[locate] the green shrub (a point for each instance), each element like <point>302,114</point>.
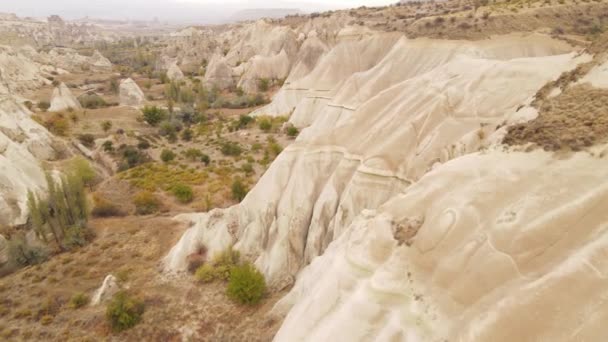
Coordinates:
<point>88,140</point>
<point>22,254</point>
<point>78,300</point>
<point>154,115</point>
<point>265,124</point>
<point>239,190</point>
<point>206,274</point>
<point>106,125</point>
<point>146,203</point>
<point>263,84</point>
<point>124,311</point>
<point>193,154</point>
<point>92,101</point>
<point>183,193</point>
<point>205,159</point>
<point>247,168</point>
<point>82,169</point>
<point>246,284</point>
<point>44,106</point>
<point>230,148</point>
<point>167,156</point>
<point>108,146</point>
<point>292,131</point>
<point>187,135</point>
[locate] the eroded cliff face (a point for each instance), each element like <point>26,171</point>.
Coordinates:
<point>399,201</point>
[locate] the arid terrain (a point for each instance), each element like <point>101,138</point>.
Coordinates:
<point>426,171</point>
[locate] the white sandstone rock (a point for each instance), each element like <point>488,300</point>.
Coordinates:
<point>130,93</point>
<point>108,289</point>
<point>174,73</point>
<point>63,99</point>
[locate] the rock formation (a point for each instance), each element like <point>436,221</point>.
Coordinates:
<point>174,73</point>
<point>130,93</point>
<point>108,288</point>
<point>63,99</point>
<point>384,206</point>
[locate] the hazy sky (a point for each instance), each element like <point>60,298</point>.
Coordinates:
<point>204,11</point>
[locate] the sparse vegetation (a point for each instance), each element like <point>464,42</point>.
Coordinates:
<point>124,311</point>
<point>167,156</point>
<point>154,115</point>
<point>146,203</point>
<point>79,300</point>
<point>183,193</point>
<point>246,284</point>
<point>239,190</point>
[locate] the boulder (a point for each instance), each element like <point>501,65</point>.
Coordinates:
<point>99,61</point>
<point>63,99</point>
<point>175,73</point>
<point>130,93</point>
<point>108,289</point>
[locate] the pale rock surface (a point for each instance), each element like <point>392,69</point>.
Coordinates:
<point>108,288</point>
<point>174,73</point>
<point>273,67</point>
<point>3,250</point>
<point>130,93</point>
<point>63,99</point>
<point>597,76</point>
<point>23,144</point>
<point>99,61</point>
<point>356,158</point>
<point>498,258</point>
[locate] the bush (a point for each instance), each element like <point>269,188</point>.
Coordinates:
<point>167,156</point>
<point>239,191</point>
<point>265,125</point>
<point>153,115</point>
<point>230,148</point>
<point>205,159</point>
<point>187,135</point>
<point>143,144</point>
<point>44,106</point>
<point>104,208</point>
<point>91,101</point>
<point>58,124</point>
<point>263,84</point>
<point>124,311</point>
<point>193,154</point>
<point>78,300</point>
<point>146,203</point>
<point>246,284</point>
<point>108,146</point>
<point>292,131</point>
<point>244,121</point>
<point>106,125</point>
<point>183,193</point>
<point>133,156</point>
<point>206,274</point>
<point>81,168</point>
<point>22,254</point>
<point>87,140</point>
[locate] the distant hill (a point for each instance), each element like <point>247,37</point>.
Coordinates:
<point>258,13</point>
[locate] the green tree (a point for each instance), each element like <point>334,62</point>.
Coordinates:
<point>239,190</point>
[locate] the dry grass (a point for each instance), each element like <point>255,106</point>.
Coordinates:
<point>575,119</point>
<point>35,302</point>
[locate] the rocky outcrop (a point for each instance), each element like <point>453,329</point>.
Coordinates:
<point>23,144</point>
<point>130,93</point>
<point>100,62</point>
<point>174,73</point>
<point>63,99</point>
<point>104,293</point>
<point>358,209</point>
